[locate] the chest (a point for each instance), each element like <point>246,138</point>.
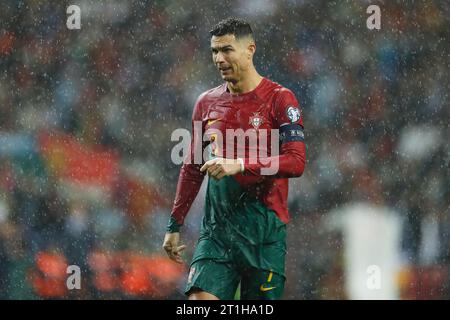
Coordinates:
<point>238,114</point>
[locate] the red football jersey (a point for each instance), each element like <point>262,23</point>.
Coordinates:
<point>269,106</point>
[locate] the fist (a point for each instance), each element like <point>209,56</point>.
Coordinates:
<point>221,167</point>
<point>172,248</point>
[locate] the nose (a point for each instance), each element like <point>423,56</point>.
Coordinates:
<point>219,58</point>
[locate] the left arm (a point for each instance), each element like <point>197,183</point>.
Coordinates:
<point>292,157</point>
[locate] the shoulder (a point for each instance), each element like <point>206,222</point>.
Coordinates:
<point>205,98</point>
<point>211,94</point>
<point>280,96</point>
<point>283,93</point>
<point>276,92</point>
<point>285,107</point>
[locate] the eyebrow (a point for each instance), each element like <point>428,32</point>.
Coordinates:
<point>222,48</point>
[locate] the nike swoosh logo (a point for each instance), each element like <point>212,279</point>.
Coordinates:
<point>211,122</point>
<point>262,288</point>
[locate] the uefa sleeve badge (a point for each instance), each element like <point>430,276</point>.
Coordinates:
<point>293,113</point>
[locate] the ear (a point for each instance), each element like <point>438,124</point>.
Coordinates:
<point>251,49</point>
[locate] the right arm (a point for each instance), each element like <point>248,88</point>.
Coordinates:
<point>189,183</point>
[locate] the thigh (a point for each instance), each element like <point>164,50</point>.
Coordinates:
<point>263,275</point>
<point>267,256</point>
<point>258,284</point>
<point>217,278</point>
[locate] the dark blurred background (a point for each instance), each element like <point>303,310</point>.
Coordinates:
<point>86,116</point>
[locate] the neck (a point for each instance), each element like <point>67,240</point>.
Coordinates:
<point>247,83</point>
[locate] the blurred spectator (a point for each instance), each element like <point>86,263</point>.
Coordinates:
<point>86,116</point>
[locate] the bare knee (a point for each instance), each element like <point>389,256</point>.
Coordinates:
<point>202,295</point>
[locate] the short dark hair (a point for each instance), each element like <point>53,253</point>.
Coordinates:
<point>238,27</point>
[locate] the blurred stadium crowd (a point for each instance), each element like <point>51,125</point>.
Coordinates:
<point>86,118</point>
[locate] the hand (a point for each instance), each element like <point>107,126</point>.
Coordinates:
<point>171,246</point>
<point>221,167</point>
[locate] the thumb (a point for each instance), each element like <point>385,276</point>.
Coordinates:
<point>208,164</point>
<point>180,248</point>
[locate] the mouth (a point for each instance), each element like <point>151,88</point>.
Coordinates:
<point>224,69</point>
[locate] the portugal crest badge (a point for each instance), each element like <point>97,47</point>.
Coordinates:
<point>256,120</point>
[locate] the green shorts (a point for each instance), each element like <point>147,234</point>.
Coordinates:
<point>244,244</point>
<point>222,280</point>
